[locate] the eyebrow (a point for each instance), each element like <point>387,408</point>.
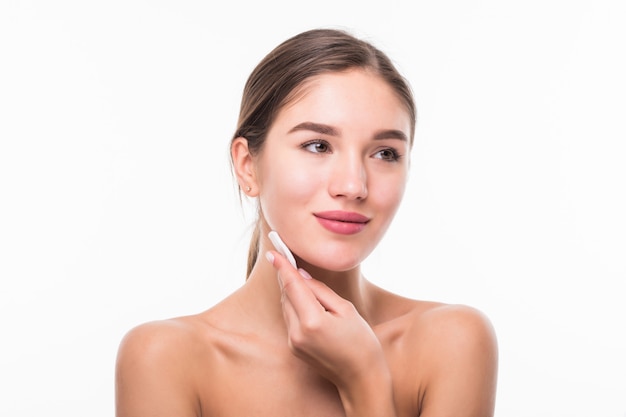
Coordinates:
<point>317,128</point>
<point>323,129</point>
<point>391,134</point>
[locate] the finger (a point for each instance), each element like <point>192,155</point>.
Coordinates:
<point>289,314</point>
<point>328,298</point>
<point>293,287</point>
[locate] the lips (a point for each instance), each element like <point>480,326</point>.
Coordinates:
<point>342,222</point>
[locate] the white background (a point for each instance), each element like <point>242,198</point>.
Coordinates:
<point>117,204</point>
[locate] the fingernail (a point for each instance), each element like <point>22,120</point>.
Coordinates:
<point>304,274</point>
<point>270,257</point>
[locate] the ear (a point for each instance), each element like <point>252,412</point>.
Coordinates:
<point>244,166</point>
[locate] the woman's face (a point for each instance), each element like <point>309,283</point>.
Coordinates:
<point>334,166</point>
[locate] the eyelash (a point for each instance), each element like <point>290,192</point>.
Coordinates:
<point>394,157</point>
<point>316,142</point>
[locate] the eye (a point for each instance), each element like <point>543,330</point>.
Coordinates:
<point>317,146</point>
<point>387,154</point>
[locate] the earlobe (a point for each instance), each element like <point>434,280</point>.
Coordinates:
<point>244,166</point>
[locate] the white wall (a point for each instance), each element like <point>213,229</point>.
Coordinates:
<point>115,188</point>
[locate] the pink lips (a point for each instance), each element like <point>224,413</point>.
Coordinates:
<point>342,222</point>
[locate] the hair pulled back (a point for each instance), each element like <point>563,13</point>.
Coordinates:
<point>274,80</point>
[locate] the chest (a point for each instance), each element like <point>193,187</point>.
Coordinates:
<point>269,388</point>
<point>253,377</point>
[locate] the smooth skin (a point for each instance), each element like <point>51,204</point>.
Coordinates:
<point>286,344</point>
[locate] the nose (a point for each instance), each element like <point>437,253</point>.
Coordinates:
<point>349,178</point>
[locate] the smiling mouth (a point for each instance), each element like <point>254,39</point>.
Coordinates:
<point>342,222</point>
<point>342,216</point>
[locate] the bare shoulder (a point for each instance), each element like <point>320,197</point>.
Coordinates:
<point>436,319</point>
<point>444,356</point>
<point>441,333</point>
<point>155,368</point>
<point>436,330</point>
<point>159,340</point>
<point>456,322</point>
<point>460,347</point>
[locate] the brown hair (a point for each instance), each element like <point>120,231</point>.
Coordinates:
<point>273,81</point>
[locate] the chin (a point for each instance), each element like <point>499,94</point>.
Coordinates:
<point>332,263</point>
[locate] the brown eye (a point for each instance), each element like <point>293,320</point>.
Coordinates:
<point>387,154</point>
<point>318,146</point>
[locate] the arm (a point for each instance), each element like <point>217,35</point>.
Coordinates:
<point>461,377</point>
<point>327,332</point>
<point>370,395</point>
<point>152,373</point>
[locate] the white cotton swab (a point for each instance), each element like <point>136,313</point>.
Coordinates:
<point>282,248</point>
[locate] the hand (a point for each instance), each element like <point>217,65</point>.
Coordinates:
<point>326,331</point>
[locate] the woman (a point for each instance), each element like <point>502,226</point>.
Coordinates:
<point>323,143</point>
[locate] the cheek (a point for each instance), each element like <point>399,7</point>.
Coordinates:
<point>302,180</point>
<point>285,187</point>
<point>390,194</point>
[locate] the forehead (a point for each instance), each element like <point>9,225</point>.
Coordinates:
<point>353,98</point>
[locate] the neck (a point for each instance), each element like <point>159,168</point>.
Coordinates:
<point>262,290</point>
<point>349,284</point>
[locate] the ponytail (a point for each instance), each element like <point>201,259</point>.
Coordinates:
<point>253,249</point>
